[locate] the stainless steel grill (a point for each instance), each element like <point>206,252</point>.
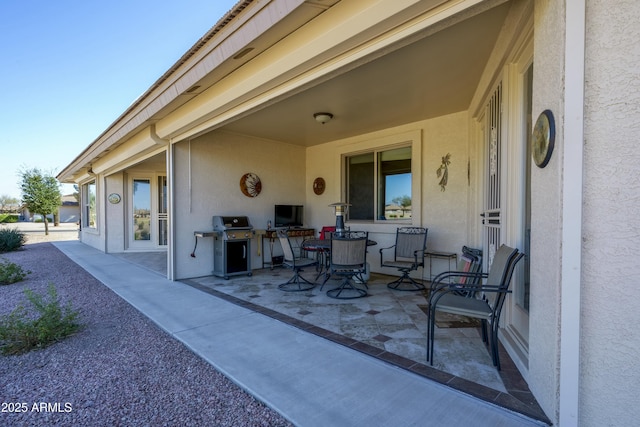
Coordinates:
<point>233,227</point>
<point>232,245</point>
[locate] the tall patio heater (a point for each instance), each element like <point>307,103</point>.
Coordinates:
<point>341,210</point>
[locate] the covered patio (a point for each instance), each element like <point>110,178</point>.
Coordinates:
<point>387,325</point>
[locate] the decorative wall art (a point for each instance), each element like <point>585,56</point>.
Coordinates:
<point>443,172</point>
<point>114,198</point>
<point>319,186</point>
<point>250,185</point>
<point>543,138</point>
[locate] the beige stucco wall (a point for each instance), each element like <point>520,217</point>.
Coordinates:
<point>610,340</point>
<point>115,214</point>
<point>208,170</point>
<point>207,183</point>
<point>546,211</point>
<point>444,213</point>
<point>69,213</point>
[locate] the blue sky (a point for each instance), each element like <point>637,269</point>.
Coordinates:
<point>398,186</point>
<point>71,67</point>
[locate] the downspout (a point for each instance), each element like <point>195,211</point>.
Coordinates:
<point>572,166</point>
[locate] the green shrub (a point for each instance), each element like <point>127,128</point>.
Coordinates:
<point>23,330</point>
<point>8,218</point>
<point>11,239</point>
<point>11,272</point>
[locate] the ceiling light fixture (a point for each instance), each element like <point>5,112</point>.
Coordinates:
<point>323,117</point>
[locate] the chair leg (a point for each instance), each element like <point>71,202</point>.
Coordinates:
<point>405,280</point>
<point>431,334</point>
<point>428,332</point>
<point>327,276</point>
<point>296,284</point>
<point>495,347</point>
<point>348,288</point>
<point>483,327</point>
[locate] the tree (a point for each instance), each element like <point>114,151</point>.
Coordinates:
<point>403,201</point>
<point>40,194</point>
<point>8,203</point>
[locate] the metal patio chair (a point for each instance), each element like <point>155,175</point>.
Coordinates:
<point>485,304</point>
<point>408,255</point>
<point>469,265</point>
<point>297,283</point>
<point>348,258</point>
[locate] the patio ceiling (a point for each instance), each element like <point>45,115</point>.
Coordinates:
<point>434,76</point>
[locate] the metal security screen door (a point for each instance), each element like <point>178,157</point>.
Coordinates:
<point>492,214</point>
<point>163,223</point>
<point>504,216</point>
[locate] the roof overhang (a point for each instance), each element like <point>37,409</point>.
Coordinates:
<point>248,29</point>
<point>266,67</point>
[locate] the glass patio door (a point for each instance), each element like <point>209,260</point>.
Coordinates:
<point>517,310</point>
<point>148,212</point>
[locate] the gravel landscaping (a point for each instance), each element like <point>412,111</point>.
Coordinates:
<point>119,370</point>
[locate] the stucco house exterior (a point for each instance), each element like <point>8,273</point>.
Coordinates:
<point>407,82</point>
<point>70,209</point>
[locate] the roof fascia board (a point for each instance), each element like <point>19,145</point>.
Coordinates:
<point>135,148</point>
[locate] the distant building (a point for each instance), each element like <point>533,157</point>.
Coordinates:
<point>394,211</point>
<point>70,209</point>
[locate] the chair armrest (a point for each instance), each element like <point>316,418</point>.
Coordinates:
<point>384,249</point>
<point>437,284</point>
<point>449,288</point>
<point>446,274</point>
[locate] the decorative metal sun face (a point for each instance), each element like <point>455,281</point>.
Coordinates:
<point>250,185</point>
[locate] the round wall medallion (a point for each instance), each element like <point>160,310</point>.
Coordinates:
<point>250,185</point>
<point>543,138</point>
<point>318,186</point>
<point>114,198</point>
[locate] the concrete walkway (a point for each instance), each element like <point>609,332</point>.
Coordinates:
<point>309,380</point>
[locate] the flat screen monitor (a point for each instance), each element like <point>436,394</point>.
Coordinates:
<point>289,215</point>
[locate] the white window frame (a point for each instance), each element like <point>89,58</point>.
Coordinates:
<point>411,138</point>
<point>86,203</point>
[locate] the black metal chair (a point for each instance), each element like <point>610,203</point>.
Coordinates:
<point>486,301</point>
<point>297,283</point>
<point>323,255</point>
<point>469,265</point>
<point>408,255</point>
<point>348,258</point>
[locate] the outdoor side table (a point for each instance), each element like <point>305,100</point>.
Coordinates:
<point>450,256</point>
